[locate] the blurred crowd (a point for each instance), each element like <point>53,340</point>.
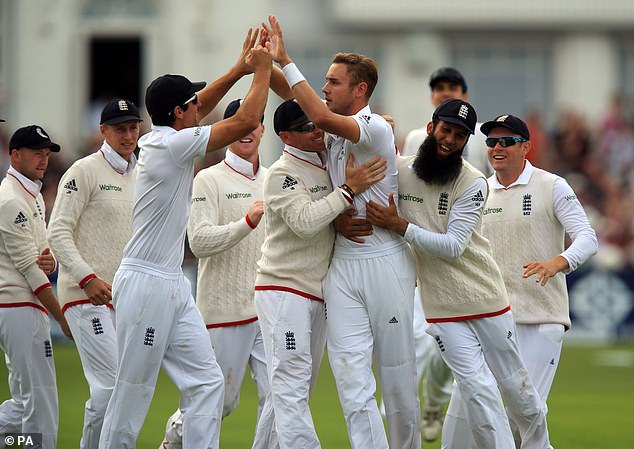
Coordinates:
<point>596,159</point>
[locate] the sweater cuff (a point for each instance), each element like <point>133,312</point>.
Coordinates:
<point>35,277</point>
<point>86,280</point>
<point>249,222</point>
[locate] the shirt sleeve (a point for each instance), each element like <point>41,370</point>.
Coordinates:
<point>188,143</point>
<point>572,216</point>
<point>70,203</point>
<point>463,219</point>
<point>302,215</point>
<point>18,230</point>
<point>375,135</point>
<point>206,236</point>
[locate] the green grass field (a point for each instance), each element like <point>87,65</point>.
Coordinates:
<point>591,403</point>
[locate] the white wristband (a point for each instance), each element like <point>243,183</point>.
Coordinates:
<point>292,74</point>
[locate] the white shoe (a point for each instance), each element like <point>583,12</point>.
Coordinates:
<point>173,432</point>
<point>431,424</point>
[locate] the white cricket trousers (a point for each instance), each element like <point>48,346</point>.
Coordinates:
<point>25,338</point>
<point>369,317</point>
<point>471,348</point>
<point>158,324</point>
<point>438,382</point>
<point>93,329</point>
<point>235,348</point>
<point>294,335</point>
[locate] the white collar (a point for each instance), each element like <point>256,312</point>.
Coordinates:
<point>119,164</point>
<point>522,179</point>
<point>307,156</point>
<point>33,187</point>
<point>365,110</point>
<point>242,166</point>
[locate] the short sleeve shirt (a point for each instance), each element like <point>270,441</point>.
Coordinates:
<point>163,191</point>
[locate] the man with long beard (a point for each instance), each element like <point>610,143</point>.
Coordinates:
<point>441,198</point>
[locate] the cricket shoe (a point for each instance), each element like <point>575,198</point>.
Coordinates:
<point>431,424</point>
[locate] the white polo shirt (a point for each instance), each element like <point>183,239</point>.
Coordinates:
<point>163,192</point>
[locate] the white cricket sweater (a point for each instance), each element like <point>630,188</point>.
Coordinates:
<point>90,224</point>
<point>299,206</point>
<point>22,239</point>
<point>226,244</point>
<point>522,227</point>
<point>452,289</point>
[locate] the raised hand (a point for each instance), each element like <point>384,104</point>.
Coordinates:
<point>275,44</point>
<point>249,43</point>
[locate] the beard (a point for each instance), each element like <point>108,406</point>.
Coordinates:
<point>432,169</point>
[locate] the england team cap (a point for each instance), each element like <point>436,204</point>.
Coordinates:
<point>457,112</point>
<point>508,121</point>
<point>32,137</point>
<point>233,107</point>
<point>118,111</point>
<point>288,115</point>
<point>447,74</point>
<point>168,91</point>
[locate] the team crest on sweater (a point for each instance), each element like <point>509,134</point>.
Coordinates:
<point>289,183</point>
<point>527,204</point>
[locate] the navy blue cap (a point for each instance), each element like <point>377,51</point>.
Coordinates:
<point>287,116</point>
<point>168,91</point>
<point>233,107</point>
<point>458,112</point>
<point>509,122</point>
<point>447,74</point>
<point>33,137</point>
<point>118,111</point>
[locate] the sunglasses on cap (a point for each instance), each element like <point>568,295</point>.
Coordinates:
<point>193,99</point>
<point>305,128</point>
<point>504,141</point>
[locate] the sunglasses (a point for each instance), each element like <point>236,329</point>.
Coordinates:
<point>305,128</point>
<point>193,99</point>
<point>504,141</point>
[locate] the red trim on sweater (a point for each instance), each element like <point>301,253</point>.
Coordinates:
<point>290,290</point>
<point>468,317</point>
<point>304,160</point>
<point>241,174</point>
<point>79,302</point>
<point>232,323</point>
<point>249,222</point>
<point>41,287</point>
<point>22,304</point>
<point>20,182</point>
<point>85,280</point>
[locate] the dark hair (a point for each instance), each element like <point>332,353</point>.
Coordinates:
<point>169,119</point>
<point>360,68</point>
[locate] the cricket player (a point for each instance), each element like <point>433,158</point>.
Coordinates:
<point>90,224</point>
<point>444,83</point>
<point>300,204</point>
<point>369,307</point>
<point>157,322</point>
<point>441,198</point>
<point>541,208</point>
<point>225,234</point>
<point>26,295</point>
